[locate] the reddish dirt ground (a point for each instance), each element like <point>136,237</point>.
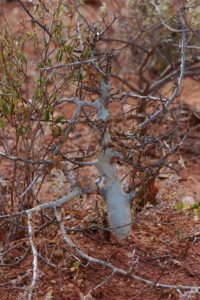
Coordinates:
<point>164,245</point>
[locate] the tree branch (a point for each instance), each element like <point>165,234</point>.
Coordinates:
<point>178,85</point>
<point>34,19</point>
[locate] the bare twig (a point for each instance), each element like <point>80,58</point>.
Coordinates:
<point>57,203</point>
<point>76,63</point>
<point>35,255</point>
<point>29,161</point>
<point>34,19</point>
<point>179,81</point>
<point>157,9</point>
<point>18,262</point>
<point>34,181</point>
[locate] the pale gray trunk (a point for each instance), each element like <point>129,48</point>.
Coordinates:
<point>118,202</point>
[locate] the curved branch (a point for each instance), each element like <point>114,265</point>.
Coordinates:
<point>178,85</point>
<point>34,19</point>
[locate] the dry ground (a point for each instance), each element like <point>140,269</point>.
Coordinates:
<point>164,246</point>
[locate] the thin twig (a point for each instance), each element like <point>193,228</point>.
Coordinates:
<point>29,161</point>
<point>16,263</point>
<point>31,185</point>
<point>34,19</point>
<point>178,85</point>
<point>157,9</point>
<point>35,255</point>
<point>76,63</point>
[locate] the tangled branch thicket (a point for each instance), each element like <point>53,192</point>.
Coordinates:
<point>110,78</point>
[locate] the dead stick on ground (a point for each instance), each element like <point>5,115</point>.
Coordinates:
<point>114,269</point>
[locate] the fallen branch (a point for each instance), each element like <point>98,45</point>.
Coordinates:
<point>115,270</point>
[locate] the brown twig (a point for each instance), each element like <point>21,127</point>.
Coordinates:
<point>44,27</point>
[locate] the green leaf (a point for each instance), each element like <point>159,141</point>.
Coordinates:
<point>49,62</point>
<point>47,115</point>
<point>179,206</point>
<point>21,130</point>
<point>2,124</point>
<point>5,109</point>
<point>59,119</point>
<point>45,43</point>
<point>59,55</point>
<point>75,266</point>
<point>197,214</point>
<point>69,49</point>
<point>57,131</point>
<point>195,206</point>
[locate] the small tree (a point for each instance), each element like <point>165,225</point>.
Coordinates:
<point>108,76</point>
